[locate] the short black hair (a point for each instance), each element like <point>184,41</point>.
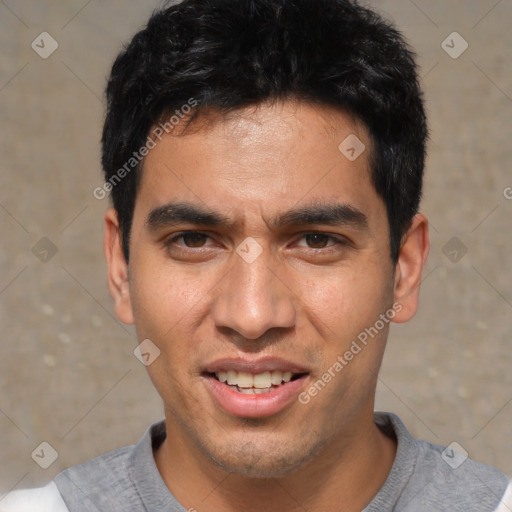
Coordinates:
<point>231,54</point>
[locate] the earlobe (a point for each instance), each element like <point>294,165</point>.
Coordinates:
<point>409,268</point>
<point>118,283</point>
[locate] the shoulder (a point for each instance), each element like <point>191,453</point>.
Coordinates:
<point>93,469</point>
<point>42,499</point>
<point>426,476</point>
<point>96,484</point>
<point>445,478</point>
<point>112,481</point>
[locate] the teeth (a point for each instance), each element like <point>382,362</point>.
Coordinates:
<point>260,391</point>
<point>252,391</point>
<point>248,382</point>
<point>245,380</point>
<point>262,380</point>
<point>232,378</point>
<point>277,378</point>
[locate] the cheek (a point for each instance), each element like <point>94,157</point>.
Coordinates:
<point>347,304</point>
<point>167,312</point>
<point>165,302</point>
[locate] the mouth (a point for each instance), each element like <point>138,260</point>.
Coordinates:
<point>259,384</point>
<point>254,390</point>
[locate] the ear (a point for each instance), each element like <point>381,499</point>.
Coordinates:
<point>408,270</point>
<point>118,283</point>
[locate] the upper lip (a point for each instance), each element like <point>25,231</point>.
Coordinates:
<point>265,364</point>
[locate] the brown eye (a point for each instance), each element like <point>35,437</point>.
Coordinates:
<point>194,240</point>
<point>317,240</point>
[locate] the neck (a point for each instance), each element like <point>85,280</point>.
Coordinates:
<point>348,471</point>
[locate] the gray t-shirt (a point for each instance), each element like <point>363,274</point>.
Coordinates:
<point>424,478</point>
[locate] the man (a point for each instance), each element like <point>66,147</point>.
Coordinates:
<point>265,162</point>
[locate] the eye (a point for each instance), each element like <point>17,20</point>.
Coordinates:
<point>191,239</point>
<point>318,241</point>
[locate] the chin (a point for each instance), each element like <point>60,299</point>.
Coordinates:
<point>261,460</point>
<point>256,466</point>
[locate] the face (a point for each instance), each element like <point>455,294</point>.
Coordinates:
<point>259,254</point>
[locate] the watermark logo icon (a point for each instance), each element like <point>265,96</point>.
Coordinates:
<point>146,352</point>
<point>352,147</point>
<point>45,455</point>
<point>454,455</point>
<point>44,45</point>
<point>455,249</point>
<point>249,250</point>
<point>454,45</point>
<point>44,250</point>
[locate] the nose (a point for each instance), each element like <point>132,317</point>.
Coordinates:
<point>252,299</point>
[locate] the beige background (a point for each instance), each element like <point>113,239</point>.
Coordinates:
<point>67,372</point>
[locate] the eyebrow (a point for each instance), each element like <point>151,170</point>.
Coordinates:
<point>319,213</point>
<point>331,214</point>
<point>172,214</point>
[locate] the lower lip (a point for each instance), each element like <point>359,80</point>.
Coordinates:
<point>254,406</point>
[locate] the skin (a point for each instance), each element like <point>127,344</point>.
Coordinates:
<point>303,299</point>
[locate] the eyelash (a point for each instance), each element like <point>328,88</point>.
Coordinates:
<point>331,238</point>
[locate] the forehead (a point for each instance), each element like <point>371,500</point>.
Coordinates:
<point>262,159</point>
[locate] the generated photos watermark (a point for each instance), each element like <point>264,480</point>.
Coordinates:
<point>355,348</point>
<point>137,156</point>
